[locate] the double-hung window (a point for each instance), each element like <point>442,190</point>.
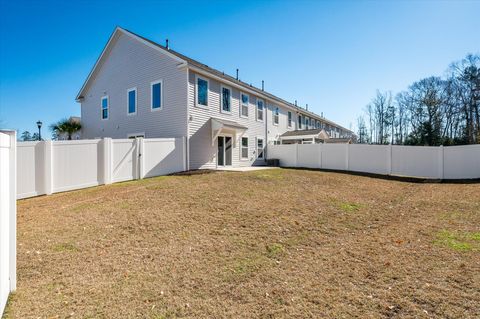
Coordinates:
<point>132,101</point>
<point>299,122</point>
<point>156,95</point>
<point>244,104</point>
<point>244,148</point>
<point>226,99</point>
<point>289,119</point>
<point>202,92</point>
<point>259,147</point>
<point>276,116</point>
<point>105,107</point>
<point>260,105</point>
<point>307,123</point>
<point>318,124</point>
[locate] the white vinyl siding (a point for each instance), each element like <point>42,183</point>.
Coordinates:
<point>114,76</point>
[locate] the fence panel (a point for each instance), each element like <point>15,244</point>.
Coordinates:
<point>163,156</point>
<point>124,160</point>
<point>8,219</point>
<point>419,161</point>
<point>369,158</point>
<point>452,162</point>
<point>461,161</point>
<point>334,156</point>
<point>75,164</point>
<point>31,160</point>
<point>308,156</point>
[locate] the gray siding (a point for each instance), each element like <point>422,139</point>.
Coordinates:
<point>202,153</point>
<point>130,63</point>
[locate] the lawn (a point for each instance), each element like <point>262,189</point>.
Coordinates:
<point>271,244</point>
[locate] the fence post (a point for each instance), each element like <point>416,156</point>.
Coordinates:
<point>389,159</point>
<point>139,157</point>
<point>320,155</point>
<point>48,176</point>
<point>347,164</point>
<point>107,160</point>
<point>296,155</point>
<point>441,167</point>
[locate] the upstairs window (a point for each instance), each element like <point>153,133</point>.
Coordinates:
<point>105,107</point>
<point>299,122</point>
<point>276,115</point>
<point>259,110</point>
<point>226,99</point>
<point>156,95</point>
<point>244,148</point>
<point>318,124</point>
<point>244,104</point>
<point>307,123</point>
<point>202,92</point>
<point>289,119</point>
<point>132,101</point>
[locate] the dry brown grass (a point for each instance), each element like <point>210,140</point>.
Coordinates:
<point>268,244</point>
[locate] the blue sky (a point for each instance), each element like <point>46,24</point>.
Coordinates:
<point>331,55</point>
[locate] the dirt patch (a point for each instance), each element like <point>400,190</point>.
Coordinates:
<point>273,244</point>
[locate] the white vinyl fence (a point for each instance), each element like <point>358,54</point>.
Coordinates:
<point>8,217</point>
<point>54,166</point>
<point>450,162</point>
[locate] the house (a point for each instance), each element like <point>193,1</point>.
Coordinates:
<point>139,88</point>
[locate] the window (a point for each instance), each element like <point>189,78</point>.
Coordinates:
<point>307,123</point>
<point>318,124</point>
<point>259,147</point>
<point>275,116</point>
<point>132,101</point>
<point>226,99</point>
<point>299,122</point>
<point>244,148</point>
<point>244,104</point>
<point>105,107</point>
<point>156,96</point>
<point>259,110</point>
<point>289,119</point>
<point>202,92</point>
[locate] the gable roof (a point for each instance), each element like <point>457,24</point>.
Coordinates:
<point>189,62</point>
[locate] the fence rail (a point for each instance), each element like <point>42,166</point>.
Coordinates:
<point>450,162</point>
<point>54,166</point>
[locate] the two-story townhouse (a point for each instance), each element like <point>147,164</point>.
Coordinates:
<point>139,88</point>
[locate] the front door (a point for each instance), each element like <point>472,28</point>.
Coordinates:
<point>224,153</point>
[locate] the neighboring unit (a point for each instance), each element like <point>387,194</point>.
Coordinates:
<point>139,88</point>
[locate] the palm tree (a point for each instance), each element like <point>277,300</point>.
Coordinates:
<point>66,126</point>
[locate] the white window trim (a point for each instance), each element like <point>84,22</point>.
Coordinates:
<point>289,122</point>
<point>221,99</point>
<point>274,114</point>
<point>128,101</point>
<point>241,148</point>
<point>263,147</point>
<point>136,134</point>
<point>196,91</point>
<point>263,110</point>
<point>101,107</point>
<point>161,95</point>
<point>241,105</point>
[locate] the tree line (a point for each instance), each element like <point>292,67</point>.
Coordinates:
<point>432,111</point>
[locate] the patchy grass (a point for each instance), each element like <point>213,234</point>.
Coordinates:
<point>458,240</point>
<point>262,244</point>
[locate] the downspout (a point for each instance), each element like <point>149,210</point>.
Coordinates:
<point>266,134</point>
<point>187,157</point>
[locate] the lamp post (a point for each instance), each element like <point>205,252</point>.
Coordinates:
<point>39,125</point>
